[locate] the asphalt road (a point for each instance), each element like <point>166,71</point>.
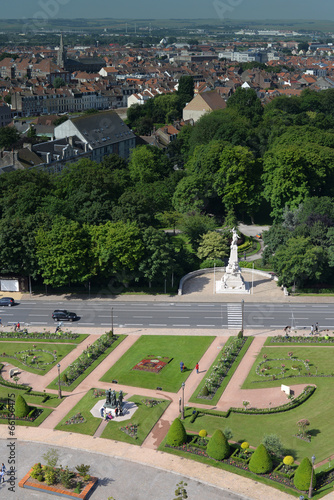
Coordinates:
<point>118,478</point>
<point>173,315</point>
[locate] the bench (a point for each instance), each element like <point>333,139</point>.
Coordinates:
<point>13,372</point>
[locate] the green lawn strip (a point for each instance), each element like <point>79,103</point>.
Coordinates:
<point>31,399</point>
<point>12,348</point>
<point>46,412</point>
<point>227,467</point>
<point>30,338</point>
<point>217,396</point>
<point>144,417</point>
<point>179,348</point>
<point>83,406</point>
<point>69,388</point>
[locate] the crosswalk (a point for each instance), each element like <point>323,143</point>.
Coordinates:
<point>234,316</point>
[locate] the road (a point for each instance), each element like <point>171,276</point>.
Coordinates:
<point>150,314</point>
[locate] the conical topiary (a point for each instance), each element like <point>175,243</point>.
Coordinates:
<point>218,447</point>
<point>302,477</point>
<point>177,434</point>
<point>260,461</point>
<point>21,407</point>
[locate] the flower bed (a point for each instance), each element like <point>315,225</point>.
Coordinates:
<point>151,402</point>
<point>312,339</point>
<point>221,369</point>
<point>153,364</point>
<point>283,470</point>
<point>60,489</point>
<point>39,335</point>
<point>130,430</point>
<point>241,456</point>
<point>76,419</point>
<point>26,353</point>
<point>31,417</point>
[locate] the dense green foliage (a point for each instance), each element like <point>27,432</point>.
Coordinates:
<point>218,447</point>
<point>272,163</point>
<point>177,434</point>
<point>21,407</point>
<point>260,461</point>
<point>302,477</point>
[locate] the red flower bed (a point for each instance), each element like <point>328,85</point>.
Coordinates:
<point>150,365</point>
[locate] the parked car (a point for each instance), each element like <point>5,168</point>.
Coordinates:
<point>63,315</point>
<point>7,301</point>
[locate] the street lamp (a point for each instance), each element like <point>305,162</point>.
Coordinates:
<point>59,388</point>
<point>310,491</point>
<point>182,414</point>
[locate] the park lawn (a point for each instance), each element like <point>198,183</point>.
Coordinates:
<point>217,396</point>
<point>11,349</point>
<point>144,417</point>
<point>318,409</point>
<point>83,406</point>
<point>46,412</point>
<point>179,348</point>
<point>31,399</point>
<point>76,382</point>
<point>30,338</point>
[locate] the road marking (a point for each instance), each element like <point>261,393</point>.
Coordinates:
<point>157,324</point>
<point>39,315</point>
<point>143,317</point>
<point>133,324</point>
<point>87,324</point>
<point>202,326</point>
<point>108,324</point>
<point>39,323</point>
<point>181,326</point>
<point>178,317</point>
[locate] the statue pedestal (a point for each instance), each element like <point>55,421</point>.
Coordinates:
<point>232,281</point>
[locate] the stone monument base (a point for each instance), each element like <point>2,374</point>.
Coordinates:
<point>232,283</point>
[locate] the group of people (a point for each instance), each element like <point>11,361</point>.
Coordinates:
<point>108,415</point>
<point>2,473</point>
<point>314,329</point>
<point>182,367</point>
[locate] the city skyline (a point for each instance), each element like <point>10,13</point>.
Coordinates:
<point>188,9</point>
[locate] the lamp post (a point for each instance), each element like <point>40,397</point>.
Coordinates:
<point>310,491</point>
<point>59,388</point>
<point>182,414</point>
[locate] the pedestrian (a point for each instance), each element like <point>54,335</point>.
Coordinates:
<point>181,366</point>
<point>0,321</point>
<point>102,412</point>
<point>316,327</point>
<point>116,412</point>
<point>15,327</point>
<point>2,473</point>
<point>197,367</point>
<point>18,326</point>
<point>312,330</point>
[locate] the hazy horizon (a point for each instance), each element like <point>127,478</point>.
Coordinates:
<point>245,10</point>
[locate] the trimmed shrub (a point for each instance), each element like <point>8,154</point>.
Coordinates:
<point>260,462</point>
<point>302,478</point>
<point>244,445</point>
<point>64,378</point>
<point>21,407</point>
<point>273,444</point>
<point>205,391</point>
<point>218,447</point>
<point>288,460</point>
<point>202,433</point>
<point>177,434</point>
<point>208,263</point>
<point>240,334</point>
<point>37,472</point>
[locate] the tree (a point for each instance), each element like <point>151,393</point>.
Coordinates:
<point>218,447</point>
<point>246,103</point>
<point>194,225</point>
<point>213,245</point>
<point>186,89</point>
<point>273,444</point>
<point>58,82</point>
<point>157,260</point>
<point>302,477</point>
<point>260,462</point>
<point>177,434</point>
<point>298,261</point>
<point>238,181</point>
<point>8,137</point>
<point>303,46</point>
<point>302,425</point>
<point>146,164</point>
<point>64,253</point>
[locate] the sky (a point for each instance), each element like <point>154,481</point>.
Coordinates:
<point>171,9</point>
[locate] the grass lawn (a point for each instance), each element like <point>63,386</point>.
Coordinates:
<point>69,388</point>
<point>46,412</point>
<point>318,409</point>
<point>83,406</point>
<point>217,396</point>
<point>144,417</point>
<point>31,399</point>
<point>179,348</point>
<point>29,337</point>
<point>14,349</point>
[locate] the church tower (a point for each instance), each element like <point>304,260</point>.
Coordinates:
<point>61,56</point>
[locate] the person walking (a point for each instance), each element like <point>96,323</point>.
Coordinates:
<point>2,473</point>
<point>312,330</point>
<point>316,328</point>
<point>0,321</point>
<point>181,366</point>
<point>197,367</point>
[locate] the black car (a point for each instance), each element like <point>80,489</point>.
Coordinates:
<point>63,315</point>
<point>7,301</point>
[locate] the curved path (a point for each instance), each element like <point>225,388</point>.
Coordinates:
<point>147,453</point>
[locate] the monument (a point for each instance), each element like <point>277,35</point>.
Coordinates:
<point>232,281</point>
<point>111,403</point>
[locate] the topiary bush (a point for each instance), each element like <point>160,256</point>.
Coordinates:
<point>302,477</point>
<point>21,407</point>
<point>218,447</point>
<point>244,445</point>
<point>202,433</point>
<point>177,434</point>
<point>288,460</point>
<point>64,378</point>
<point>260,462</point>
<point>205,391</point>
